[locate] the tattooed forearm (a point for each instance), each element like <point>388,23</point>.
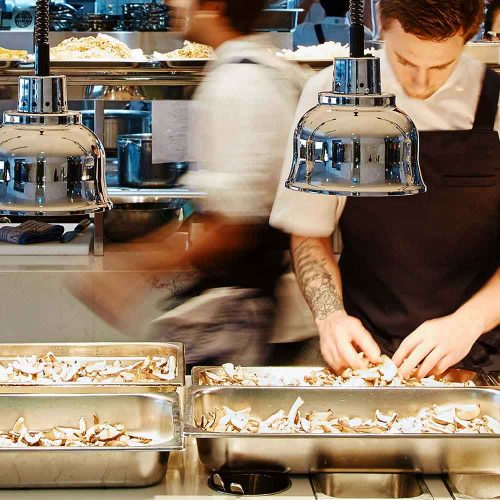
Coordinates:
<point>316,282</point>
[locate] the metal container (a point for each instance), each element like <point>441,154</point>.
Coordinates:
<point>152,415</point>
<point>118,122</point>
<point>136,167</point>
<point>303,453</point>
<point>92,351</point>
<point>474,486</point>
<point>299,372</point>
<point>353,486</point>
<point>129,221</point>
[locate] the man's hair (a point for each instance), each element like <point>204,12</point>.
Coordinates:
<point>435,20</point>
<point>335,8</point>
<point>243,15</point>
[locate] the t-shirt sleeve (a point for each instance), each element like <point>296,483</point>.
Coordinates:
<point>305,214</point>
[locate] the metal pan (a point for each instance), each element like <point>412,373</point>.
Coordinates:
<point>94,351</point>
<point>301,453</point>
<point>473,486</point>
<point>353,486</point>
<point>152,415</point>
<point>298,372</point>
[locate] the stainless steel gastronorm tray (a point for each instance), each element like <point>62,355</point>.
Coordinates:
<point>473,486</point>
<point>353,486</point>
<point>453,375</point>
<point>91,351</point>
<point>152,415</point>
<point>303,453</point>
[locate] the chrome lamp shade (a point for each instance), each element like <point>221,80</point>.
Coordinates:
<point>356,142</point>
<point>50,164</point>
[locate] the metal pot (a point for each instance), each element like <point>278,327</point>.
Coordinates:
<point>118,122</point>
<point>136,168</point>
<point>130,221</point>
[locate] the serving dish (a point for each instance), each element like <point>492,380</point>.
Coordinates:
<point>151,415</point>
<point>126,352</point>
<point>473,486</point>
<point>298,373</point>
<point>304,453</point>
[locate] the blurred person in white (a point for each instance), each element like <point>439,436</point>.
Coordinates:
<point>333,28</point>
<point>418,276</point>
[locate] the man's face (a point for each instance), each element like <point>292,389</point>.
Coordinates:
<point>421,66</point>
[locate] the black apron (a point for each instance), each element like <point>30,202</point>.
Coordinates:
<point>410,259</point>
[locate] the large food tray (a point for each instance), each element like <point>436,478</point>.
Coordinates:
<point>304,453</point>
<point>298,372</point>
<point>96,351</point>
<point>151,415</point>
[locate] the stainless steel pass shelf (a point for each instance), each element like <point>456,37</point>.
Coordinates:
<point>177,196</point>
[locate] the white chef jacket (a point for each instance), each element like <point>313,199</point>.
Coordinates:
<point>335,29</point>
<point>452,107</point>
<point>239,125</point>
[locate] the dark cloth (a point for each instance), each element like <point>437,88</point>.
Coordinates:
<point>410,259</point>
<point>320,34</point>
<point>30,232</point>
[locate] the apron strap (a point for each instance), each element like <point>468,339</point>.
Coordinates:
<point>320,34</point>
<point>486,111</point>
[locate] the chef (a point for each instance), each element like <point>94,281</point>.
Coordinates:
<point>418,276</point>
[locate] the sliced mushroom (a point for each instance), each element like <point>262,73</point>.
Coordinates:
<point>468,411</point>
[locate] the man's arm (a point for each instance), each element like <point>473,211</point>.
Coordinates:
<point>442,342</point>
<point>318,275</point>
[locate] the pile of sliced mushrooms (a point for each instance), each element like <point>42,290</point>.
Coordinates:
<point>382,374</point>
<point>85,435</point>
<point>48,369</point>
<point>452,419</point>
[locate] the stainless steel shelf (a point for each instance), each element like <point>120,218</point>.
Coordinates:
<point>122,195</point>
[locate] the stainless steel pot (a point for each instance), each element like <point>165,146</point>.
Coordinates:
<point>136,168</point>
<point>118,122</point>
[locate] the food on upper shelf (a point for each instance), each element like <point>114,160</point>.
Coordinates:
<point>100,47</point>
<point>382,374</point>
<point>449,419</point>
<point>324,52</point>
<point>190,50</point>
<point>48,369</point>
<point>94,434</point>
<point>13,55</point>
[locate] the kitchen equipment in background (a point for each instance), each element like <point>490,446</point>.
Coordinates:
<point>98,22</point>
<point>63,16</point>
<point>136,169</point>
<point>473,486</point>
<point>79,228</point>
<point>118,122</point>
<point>129,221</point>
<point>352,486</point>
<point>145,17</point>
<point>153,415</point>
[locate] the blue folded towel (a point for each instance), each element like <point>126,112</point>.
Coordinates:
<point>30,232</point>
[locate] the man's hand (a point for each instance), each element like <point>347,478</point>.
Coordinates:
<point>342,337</point>
<point>436,345</point>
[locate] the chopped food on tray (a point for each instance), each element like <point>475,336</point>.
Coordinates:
<point>100,47</point>
<point>94,434</point>
<point>449,419</point>
<point>190,50</point>
<point>382,374</point>
<point>13,55</point>
<point>48,369</point>
<point>323,52</point>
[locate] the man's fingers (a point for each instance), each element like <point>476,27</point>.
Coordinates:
<point>443,365</point>
<point>348,354</point>
<point>330,355</point>
<point>430,362</point>
<point>414,359</point>
<point>406,347</point>
<point>367,344</point>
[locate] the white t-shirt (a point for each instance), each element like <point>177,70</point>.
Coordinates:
<point>452,107</point>
<point>239,125</point>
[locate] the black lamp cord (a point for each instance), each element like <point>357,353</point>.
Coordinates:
<point>357,32</point>
<point>42,47</point>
